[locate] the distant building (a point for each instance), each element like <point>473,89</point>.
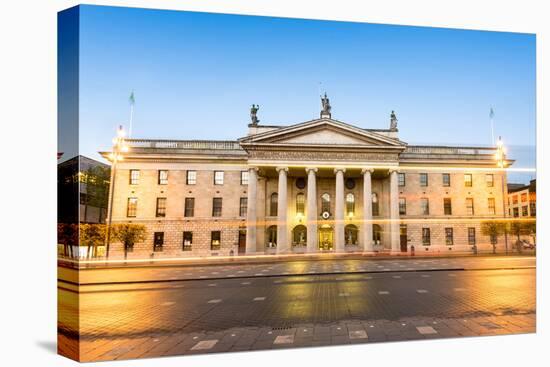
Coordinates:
<point>83,189</point>
<point>522,200</point>
<point>316,186</point>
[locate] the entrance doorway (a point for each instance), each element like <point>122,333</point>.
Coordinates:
<point>325,238</point>
<point>403,237</point>
<point>242,241</point>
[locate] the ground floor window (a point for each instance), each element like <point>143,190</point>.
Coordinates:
<point>350,232</point>
<point>493,238</point>
<point>376,234</point>
<point>471,236</point>
<point>426,238</point>
<point>187,240</point>
<point>158,241</point>
<point>449,236</point>
<point>272,236</point>
<point>215,241</point>
<point>299,235</point>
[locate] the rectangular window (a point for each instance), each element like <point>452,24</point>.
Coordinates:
<point>215,241</point>
<point>163,177</point>
<point>191,178</point>
<point>423,179</point>
<point>449,236</point>
<point>524,211</point>
<point>471,236</point>
<point>524,197</point>
<point>131,210</point>
<point>468,180</point>
<point>244,177</point>
<point>533,209</point>
<point>491,205</point>
<point>189,207</point>
<point>426,240</point>
<point>424,206</point>
<point>446,179</point>
<point>516,212</point>
<point>187,240</point>
<point>217,207</point>
<point>134,177</point>
<point>218,177</point>
<point>447,206</point>
<point>161,207</point>
<point>242,207</point>
<point>469,206</point>
<point>402,206</point>
<point>401,179</point>
<point>490,180</point>
<point>300,204</point>
<point>514,199</point>
<point>158,241</point>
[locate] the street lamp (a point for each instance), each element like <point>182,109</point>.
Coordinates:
<point>119,147</point>
<point>500,157</point>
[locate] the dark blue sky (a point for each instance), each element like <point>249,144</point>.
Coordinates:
<point>196,74</point>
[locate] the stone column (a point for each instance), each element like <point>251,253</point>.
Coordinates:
<point>368,245</point>
<point>394,212</point>
<point>311,210</point>
<point>251,212</point>
<point>339,239</point>
<point>282,232</point>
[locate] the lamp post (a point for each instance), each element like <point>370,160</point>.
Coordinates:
<point>119,147</point>
<point>500,157</point>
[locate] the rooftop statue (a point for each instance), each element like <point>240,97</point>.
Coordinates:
<point>393,121</point>
<point>253,114</point>
<point>325,102</point>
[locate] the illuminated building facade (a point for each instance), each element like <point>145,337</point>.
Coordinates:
<point>317,186</point>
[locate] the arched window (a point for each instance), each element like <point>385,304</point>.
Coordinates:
<point>272,236</point>
<point>350,232</point>
<point>300,203</point>
<point>375,204</point>
<point>350,205</point>
<point>325,203</point>
<point>273,204</point>
<point>376,233</point>
<point>299,235</point>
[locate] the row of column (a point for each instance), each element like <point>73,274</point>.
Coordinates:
<point>283,244</point>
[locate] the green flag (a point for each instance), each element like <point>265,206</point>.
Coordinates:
<point>132,99</point>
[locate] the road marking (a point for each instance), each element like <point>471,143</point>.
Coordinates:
<point>230,275</point>
<point>358,334</point>
<point>421,291</point>
<point>424,330</point>
<point>383,292</point>
<point>425,276</point>
<point>259,299</point>
<point>258,274</point>
<point>212,284</point>
<point>396,276</point>
<point>205,344</point>
<point>277,281</point>
<point>167,303</point>
<point>452,275</point>
<point>459,289</point>
<point>343,294</point>
<point>284,339</point>
<point>215,301</point>
<point>245,283</point>
<point>367,278</point>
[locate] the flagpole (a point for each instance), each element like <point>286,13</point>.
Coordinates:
<point>491,115</point>
<point>131,119</point>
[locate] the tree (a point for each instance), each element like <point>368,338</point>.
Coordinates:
<point>493,229</point>
<point>128,234</point>
<point>67,234</point>
<point>93,236</point>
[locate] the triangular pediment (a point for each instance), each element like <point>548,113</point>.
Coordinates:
<point>322,132</point>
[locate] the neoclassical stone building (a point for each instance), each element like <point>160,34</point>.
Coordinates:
<point>316,186</point>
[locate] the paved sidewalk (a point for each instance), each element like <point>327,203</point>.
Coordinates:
<point>74,277</point>
<point>301,335</point>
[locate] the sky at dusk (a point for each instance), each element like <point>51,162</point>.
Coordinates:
<point>195,76</point>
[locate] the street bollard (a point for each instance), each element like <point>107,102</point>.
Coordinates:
<point>412,250</point>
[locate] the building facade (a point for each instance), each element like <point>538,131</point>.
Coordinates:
<point>317,186</point>
<point>522,200</point>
